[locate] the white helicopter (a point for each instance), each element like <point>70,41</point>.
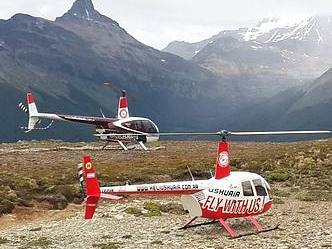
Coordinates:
<point>224,196</point>
<point>110,130</point>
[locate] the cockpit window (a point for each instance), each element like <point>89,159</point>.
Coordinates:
<point>148,127</point>
<point>141,125</point>
<point>247,189</point>
<point>260,189</point>
<point>130,125</point>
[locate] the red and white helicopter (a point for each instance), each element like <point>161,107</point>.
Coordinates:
<point>142,130</point>
<point>224,196</point>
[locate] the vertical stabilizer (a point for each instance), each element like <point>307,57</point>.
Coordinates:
<point>223,167</point>
<point>33,112</point>
<point>92,188</point>
<point>123,106</point>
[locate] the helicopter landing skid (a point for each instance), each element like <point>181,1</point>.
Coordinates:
<point>232,234</point>
<point>186,226</point>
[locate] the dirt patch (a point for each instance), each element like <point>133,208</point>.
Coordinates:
<point>39,213</point>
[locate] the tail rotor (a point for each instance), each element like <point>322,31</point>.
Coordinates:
<point>23,107</point>
<point>81,179</point>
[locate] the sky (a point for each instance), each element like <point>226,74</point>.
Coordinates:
<point>158,22</point>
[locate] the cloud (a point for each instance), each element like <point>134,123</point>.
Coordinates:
<point>158,22</point>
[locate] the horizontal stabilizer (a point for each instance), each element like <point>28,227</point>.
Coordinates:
<point>111,197</point>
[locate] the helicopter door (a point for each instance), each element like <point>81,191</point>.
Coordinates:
<point>247,188</point>
<point>260,188</point>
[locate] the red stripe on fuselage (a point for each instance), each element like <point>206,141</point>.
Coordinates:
<point>154,192</point>
<point>89,120</point>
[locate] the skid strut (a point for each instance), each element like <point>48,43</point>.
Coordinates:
<point>188,224</point>
<point>106,144</point>
<point>228,228</point>
<point>142,145</point>
<point>122,145</point>
<point>255,223</point>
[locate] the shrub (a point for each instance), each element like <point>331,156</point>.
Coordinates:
<point>41,243</point>
<point>156,242</point>
<point>134,211</point>
<point>278,201</point>
<point>279,192</point>
<point>3,240</point>
<point>26,183</point>
<point>173,208</point>
<point>58,202</point>
<point>153,208</point>
<point>309,162</point>
<point>24,203</point>
<point>110,245</point>
<point>70,192</point>
<point>6,206</point>
<point>279,176</point>
<point>314,196</point>
<point>7,193</point>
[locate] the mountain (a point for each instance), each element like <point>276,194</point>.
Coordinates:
<point>319,92</point>
<point>308,107</point>
<point>188,50</point>
<point>301,50</point>
<point>66,62</point>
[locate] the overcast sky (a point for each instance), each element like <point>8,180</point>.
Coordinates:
<point>158,22</point>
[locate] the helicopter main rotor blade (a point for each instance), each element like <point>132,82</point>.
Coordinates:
<point>245,133</point>
<point>161,134</point>
<point>219,133</point>
<point>186,133</point>
<point>254,133</point>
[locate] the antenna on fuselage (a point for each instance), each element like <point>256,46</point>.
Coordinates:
<point>192,177</point>
<point>101,111</point>
<point>211,172</point>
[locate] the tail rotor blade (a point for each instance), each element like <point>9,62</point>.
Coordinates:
<point>23,107</point>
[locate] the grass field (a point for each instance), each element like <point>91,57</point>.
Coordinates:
<point>46,171</point>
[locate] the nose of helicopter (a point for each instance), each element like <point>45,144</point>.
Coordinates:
<point>267,206</point>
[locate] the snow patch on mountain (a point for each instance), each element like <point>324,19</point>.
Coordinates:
<point>264,27</point>
<point>87,14</point>
<point>278,30</point>
<point>320,39</point>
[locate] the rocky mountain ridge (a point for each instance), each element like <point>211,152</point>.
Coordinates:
<point>302,49</point>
